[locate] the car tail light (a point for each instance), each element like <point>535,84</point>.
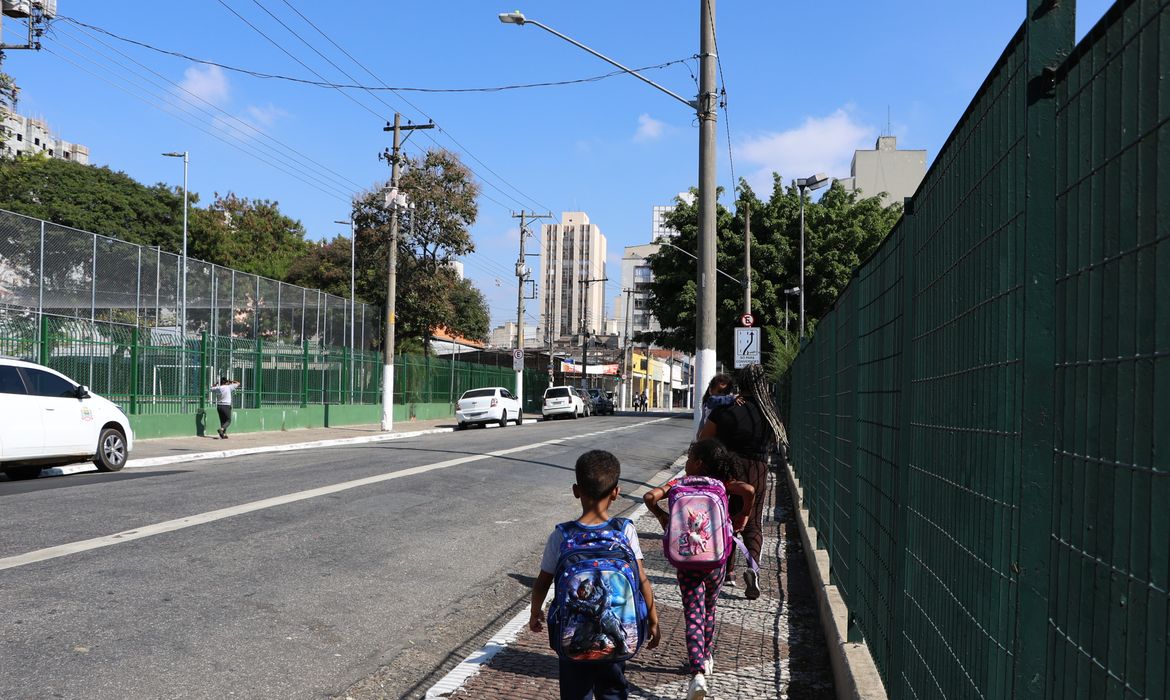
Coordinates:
<point>495,402</point>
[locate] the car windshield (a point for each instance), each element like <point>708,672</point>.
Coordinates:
<point>556,392</point>
<point>478,393</point>
<point>594,393</point>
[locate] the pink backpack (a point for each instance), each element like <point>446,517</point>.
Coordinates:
<point>698,533</point>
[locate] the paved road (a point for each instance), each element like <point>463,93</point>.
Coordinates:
<point>372,570</point>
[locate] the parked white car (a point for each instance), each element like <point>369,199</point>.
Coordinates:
<point>562,401</point>
<point>488,405</point>
<point>48,420</point>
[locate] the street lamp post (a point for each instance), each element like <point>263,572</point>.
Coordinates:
<point>183,275</point>
<point>787,293</point>
<point>705,107</point>
<point>352,300</point>
<point>805,185</point>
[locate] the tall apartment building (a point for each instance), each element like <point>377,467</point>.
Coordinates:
<point>28,135</point>
<point>886,169</point>
<point>658,227</point>
<point>571,294</point>
<point>636,279</point>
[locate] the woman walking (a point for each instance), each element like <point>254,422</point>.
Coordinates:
<point>749,427</point>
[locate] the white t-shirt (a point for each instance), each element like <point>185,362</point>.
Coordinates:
<point>552,548</point>
<point>223,393</point>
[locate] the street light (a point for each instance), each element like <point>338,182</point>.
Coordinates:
<point>806,184</point>
<point>791,291</point>
<point>705,107</point>
<point>183,274</point>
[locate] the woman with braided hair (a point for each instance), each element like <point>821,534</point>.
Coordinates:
<point>750,428</point>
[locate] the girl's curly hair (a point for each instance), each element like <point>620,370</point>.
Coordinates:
<point>718,461</point>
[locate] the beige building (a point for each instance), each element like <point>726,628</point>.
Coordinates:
<point>634,301</point>
<point>26,136</point>
<point>571,286</point>
<point>505,336</point>
<point>886,169</point>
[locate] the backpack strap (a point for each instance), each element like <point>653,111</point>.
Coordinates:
<point>752,563</point>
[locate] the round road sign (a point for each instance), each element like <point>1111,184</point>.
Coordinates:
<point>747,320</point>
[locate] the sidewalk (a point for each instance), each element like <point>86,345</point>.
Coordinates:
<point>772,647</point>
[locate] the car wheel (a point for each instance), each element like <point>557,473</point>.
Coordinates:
<point>519,417</point>
<point>461,426</point>
<point>21,473</point>
<point>111,451</point>
<point>575,414</point>
<point>504,418</point>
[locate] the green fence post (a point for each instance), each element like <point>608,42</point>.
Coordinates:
<point>305,374</point>
<point>345,375</point>
<point>134,388</point>
<point>258,371</point>
<point>43,349</point>
<point>1050,30</point>
<point>203,366</point>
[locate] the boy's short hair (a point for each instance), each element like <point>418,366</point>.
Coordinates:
<point>597,473</point>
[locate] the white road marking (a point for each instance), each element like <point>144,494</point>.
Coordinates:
<point>214,515</point>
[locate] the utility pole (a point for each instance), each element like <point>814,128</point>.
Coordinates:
<point>522,274</point>
<point>393,201</point>
<point>706,290</point>
<point>626,373</point>
<point>585,330</point>
<point>747,257</point>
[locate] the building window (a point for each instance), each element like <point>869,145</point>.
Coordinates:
<point>37,141</point>
<point>66,154</point>
<point>20,137</point>
<point>643,275</point>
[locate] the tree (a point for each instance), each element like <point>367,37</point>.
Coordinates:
<point>324,266</point>
<point>841,231</point>
<point>248,235</point>
<point>428,294</point>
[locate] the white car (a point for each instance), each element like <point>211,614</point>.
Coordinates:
<point>47,420</point>
<point>488,405</point>
<point>562,401</point>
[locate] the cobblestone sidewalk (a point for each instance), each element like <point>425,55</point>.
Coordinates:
<point>772,647</point>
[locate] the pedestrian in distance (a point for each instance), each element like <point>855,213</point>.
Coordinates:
<point>594,633</point>
<point>700,588</point>
<point>222,394</point>
<point>750,428</point>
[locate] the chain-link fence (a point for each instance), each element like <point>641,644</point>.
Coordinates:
<point>59,271</point>
<point>977,424</point>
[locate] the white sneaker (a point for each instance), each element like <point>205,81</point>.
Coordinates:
<point>709,665</point>
<point>698,687</point>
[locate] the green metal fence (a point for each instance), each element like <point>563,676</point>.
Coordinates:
<point>981,425</point>
<point>151,372</point>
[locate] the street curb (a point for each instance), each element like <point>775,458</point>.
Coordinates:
<point>507,634</point>
<point>218,454</point>
<point>855,676</point>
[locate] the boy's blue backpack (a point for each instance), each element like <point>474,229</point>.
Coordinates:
<point>597,613</point>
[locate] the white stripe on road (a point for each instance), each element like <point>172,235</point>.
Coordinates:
<point>214,515</point>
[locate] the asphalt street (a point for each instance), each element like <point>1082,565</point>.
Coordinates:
<point>365,571</point>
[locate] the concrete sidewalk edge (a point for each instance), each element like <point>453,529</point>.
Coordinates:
<point>499,641</point>
<point>855,675</point>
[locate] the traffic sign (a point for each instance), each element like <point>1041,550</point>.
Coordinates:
<point>518,360</point>
<point>747,320</point>
<point>747,347</point>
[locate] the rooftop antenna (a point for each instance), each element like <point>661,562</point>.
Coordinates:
<point>889,129</point>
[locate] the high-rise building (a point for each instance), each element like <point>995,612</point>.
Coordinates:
<point>572,269</point>
<point>636,279</point>
<point>25,136</point>
<point>886,169</point>
<point>658,227</point>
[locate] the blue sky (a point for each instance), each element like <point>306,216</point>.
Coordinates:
<point>807,84</point>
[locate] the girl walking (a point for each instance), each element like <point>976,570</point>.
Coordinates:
<point>700,589</point>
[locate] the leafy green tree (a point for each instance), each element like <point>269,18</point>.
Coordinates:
<point>324,266</point>
<point>248,235</point>
<point>428,295</point>
<point>841,231</point>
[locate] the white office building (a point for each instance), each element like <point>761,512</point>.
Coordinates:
<point>505,336</point>
<point>886,169</point>
<point>658,227</point>
<point>632,307</point>
<point>571,287</point>
<point>26,136</point>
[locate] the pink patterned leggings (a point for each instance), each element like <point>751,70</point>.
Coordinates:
<point>700,592</point>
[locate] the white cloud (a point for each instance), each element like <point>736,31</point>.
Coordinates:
<point>207,83</point>
<point>249,124</point>
<point>821,144</point>
<point>263,116</point>
<point>649,128</point>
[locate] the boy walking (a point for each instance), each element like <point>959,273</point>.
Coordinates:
<point>223,403</point>
<point>597,473</point>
